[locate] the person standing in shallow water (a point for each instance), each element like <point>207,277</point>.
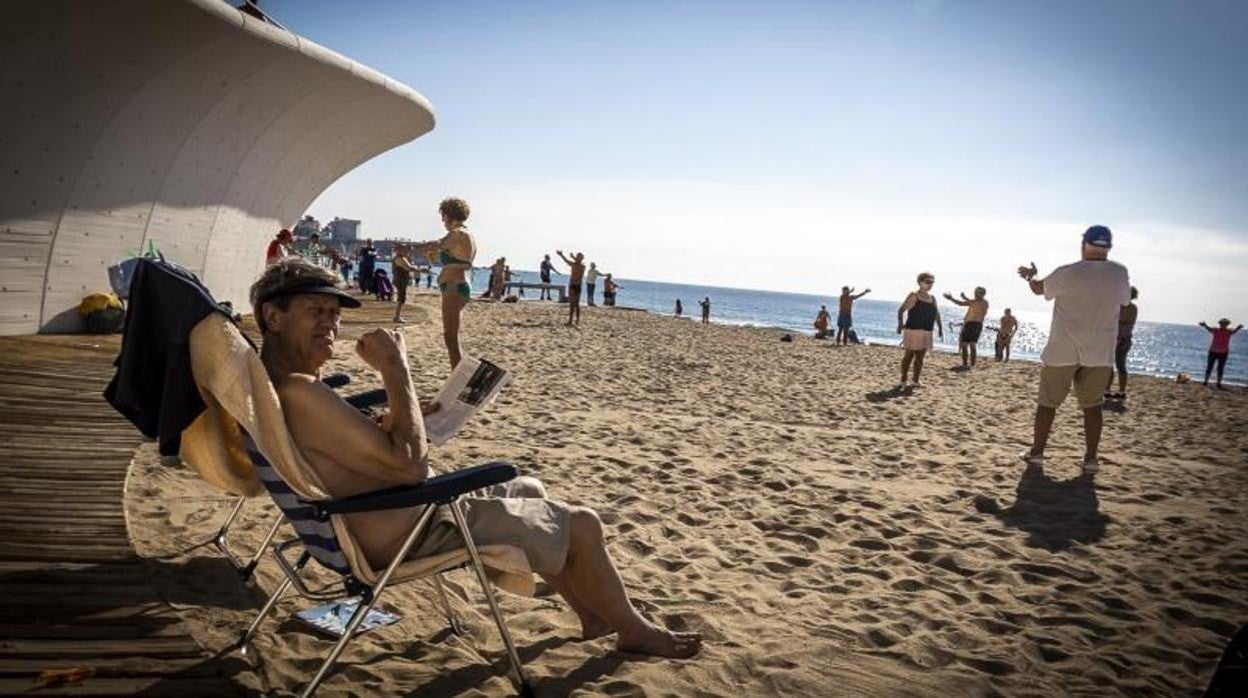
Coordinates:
<point>680,309</point>
<point>972,323</point>
<point>706,309</point>
<point>920,316</point>
<point>1126,326</point>
<point>1219,347</point>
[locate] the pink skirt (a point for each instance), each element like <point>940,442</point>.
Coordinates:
<point>917,340</point>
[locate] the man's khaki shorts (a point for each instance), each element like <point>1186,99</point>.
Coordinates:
<point>1089,382</point>
<point>513,513</point>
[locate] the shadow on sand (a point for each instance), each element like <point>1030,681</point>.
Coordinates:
<point>893,393</point>
<point>1056,514</point>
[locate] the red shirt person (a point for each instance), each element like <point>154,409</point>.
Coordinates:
<point>279,247</point>
<point>1219,347</point>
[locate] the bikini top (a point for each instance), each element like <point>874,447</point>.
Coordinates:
<point>445,258</point>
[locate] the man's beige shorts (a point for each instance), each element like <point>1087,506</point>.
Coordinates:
<point>513,513</point>
<point>1089,382</point>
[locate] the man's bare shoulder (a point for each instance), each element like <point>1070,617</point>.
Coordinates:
<point>298,390</point>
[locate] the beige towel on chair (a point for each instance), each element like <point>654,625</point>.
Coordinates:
<point>235,385</point>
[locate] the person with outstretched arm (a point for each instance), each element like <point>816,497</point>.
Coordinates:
<point>1087,296</point>
<point>1006,327</point>
<point>1219,347</point>
<point>845,314</point>
<point>972,323</point>
<point>544,272</point>
<point>455,251</point>
<point>576,272</point>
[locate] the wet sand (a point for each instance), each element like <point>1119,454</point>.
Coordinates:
<point>828,534</point>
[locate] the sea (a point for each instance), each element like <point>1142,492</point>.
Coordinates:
<point>1158,348</point>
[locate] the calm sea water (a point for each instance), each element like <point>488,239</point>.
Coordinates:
<point>1158,348</point>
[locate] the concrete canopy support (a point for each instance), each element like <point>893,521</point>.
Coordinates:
<point>183,122</point>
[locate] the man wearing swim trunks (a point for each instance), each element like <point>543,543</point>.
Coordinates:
<point>972,322</point>
<point>576,272</point>
<point>298,308</point>
<point>845,314</point>
<point>1088,295</point>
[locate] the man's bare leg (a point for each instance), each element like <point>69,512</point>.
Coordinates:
<point>1043,425</point>
<point>962,351</point>
<point>974,355</point>
<point>1092,423</point>
<point>590,577</point>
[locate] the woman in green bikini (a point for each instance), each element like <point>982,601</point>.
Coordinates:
<point>454,253</point>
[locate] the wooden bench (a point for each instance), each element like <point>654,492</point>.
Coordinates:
<point>560,288</point>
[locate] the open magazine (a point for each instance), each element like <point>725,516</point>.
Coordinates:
<point>473,384</point>
<point>332,618</point>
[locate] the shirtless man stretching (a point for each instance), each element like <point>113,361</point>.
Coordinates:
<point>297,308</point>
<point>972,322</point>
<point>576,272</point>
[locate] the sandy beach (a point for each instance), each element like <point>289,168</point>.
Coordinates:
<point>827,534</point>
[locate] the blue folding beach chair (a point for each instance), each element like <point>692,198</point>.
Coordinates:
<point>320,540</point>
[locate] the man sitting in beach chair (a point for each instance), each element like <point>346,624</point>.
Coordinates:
<point>297,308</point>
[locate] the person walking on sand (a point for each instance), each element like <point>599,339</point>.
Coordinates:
<point>403,270</point>
<point>1006,327</point>
<point>845,314</point>
<point>544,273</point>
<point>680,309</point>
<point>972,323</point>
<point>576,272</point>
<point>1087,296</point>
<point>455,252</point>
<point>1126,326</point>
<point>821,322</point>
<point>591,282</point>
<point>1219,347</point>
<point>920,316</point>
<point>706,309</point>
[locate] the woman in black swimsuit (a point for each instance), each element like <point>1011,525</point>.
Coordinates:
<point>921,314</point>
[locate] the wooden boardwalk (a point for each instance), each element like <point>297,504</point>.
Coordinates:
<point>73,594</point>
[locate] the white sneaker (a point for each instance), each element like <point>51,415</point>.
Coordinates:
<point>1091,465</point>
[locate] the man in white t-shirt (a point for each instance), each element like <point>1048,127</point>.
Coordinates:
<point>1082,337</point>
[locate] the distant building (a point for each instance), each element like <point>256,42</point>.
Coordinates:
<point>342,230</point>
<point>307,226</point>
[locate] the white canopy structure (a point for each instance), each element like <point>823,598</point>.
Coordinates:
<point>183,122</point>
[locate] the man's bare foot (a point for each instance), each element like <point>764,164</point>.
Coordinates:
<point>594,628</point>
<point>661,642</point>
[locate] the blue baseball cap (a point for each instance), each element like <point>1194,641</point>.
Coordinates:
<point>1098,236</point>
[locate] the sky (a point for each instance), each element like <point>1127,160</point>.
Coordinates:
<point>802,146</point>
